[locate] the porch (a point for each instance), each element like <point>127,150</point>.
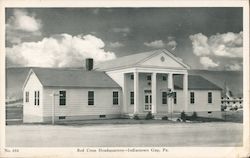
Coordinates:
<point>147,90</point>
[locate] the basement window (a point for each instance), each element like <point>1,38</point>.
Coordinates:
<point>209,112</point>
<point>102,116</point>
<point>62,117</point>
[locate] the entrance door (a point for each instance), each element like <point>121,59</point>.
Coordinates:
<point>148,102</point>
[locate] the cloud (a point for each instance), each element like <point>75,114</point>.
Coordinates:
<point>22,25</point>
<point>59,51</point>
<point>161,44</point>
<point>200,45</point>
<point>224,47</point>
<point>207,62</point>
<point>227,44</point>
<point>155,44</point>
<point>234,67</point>
<point>116,44</point>
<point>124,30</point>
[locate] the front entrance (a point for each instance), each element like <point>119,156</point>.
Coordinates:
<point>148,101</point>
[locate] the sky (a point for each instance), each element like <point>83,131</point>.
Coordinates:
<point>204,38</point>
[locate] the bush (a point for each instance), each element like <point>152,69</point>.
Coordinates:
<point>149,116</point>
<point>164,118</point>
<point>223,107</point>
<point>194,115</point>
<point>183,116</point>
<point>136,117</point>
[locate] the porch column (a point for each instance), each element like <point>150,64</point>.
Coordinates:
<point>136,92</point>
<point>170,86</point>
<point>185,91</point>
<point>125,103</point>
<point>154,90</point>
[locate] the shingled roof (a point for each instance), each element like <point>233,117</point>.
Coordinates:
<point>195,82</point>
<point>56,77</point>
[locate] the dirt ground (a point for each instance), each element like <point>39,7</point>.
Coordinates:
<point>217,134</point>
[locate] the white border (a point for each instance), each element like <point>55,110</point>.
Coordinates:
<point>173,151</point>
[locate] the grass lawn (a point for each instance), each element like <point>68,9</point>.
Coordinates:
<point>154,134</point>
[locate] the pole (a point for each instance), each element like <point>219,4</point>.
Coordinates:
<point>171,104</point>
<point>53,108</point>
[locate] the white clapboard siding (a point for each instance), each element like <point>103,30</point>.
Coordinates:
<point>29,109</point>
<point>77,102</point>
<point>201,101</point>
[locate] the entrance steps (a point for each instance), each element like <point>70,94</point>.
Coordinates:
<point>158,116</point>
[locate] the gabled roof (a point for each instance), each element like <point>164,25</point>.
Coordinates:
<point>195,82</point>
<point>55,77</point>
<point>135,59</point>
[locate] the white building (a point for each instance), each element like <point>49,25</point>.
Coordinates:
<point>134,84</point>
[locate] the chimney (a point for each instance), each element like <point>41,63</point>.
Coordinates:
<point>89,64</point>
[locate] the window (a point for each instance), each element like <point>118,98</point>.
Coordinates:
<point>36,98</point>
<point>149,77</point>
<point>115,98</point>
<point>62,117</point>
<point>164,78</point>
<point>210,97</point>
<point>132,98</point>
<point>62,98</point>
<point>175,97</point>
<point>26,97</point>
<point>90,97</point>
<point>192,97</point>
<point>102,116</point>
<point>164,97</point>
<point>132,77</point>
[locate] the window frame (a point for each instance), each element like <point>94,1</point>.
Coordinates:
<point>27,95</point>
<point>175,97</point>
<point>192,98</point>
<point>132,98</point>
<point>91,99</point>
<point>37,98</point>
<point>132,76</point>
<point>164,98</point>
<point>149,78</point>
<point>209,98</point>
<point>34,97</point>
<point>164,78</point>
<point>60,98</point>
<point>116,98</point>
